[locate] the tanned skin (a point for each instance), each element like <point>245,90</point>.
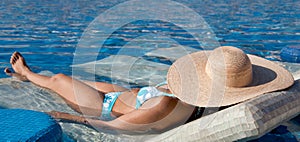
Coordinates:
<point>154,116</point>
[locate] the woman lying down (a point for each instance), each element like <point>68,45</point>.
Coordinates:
<point>218,78</point>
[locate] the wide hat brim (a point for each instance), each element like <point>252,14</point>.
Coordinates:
<point>189,82</point>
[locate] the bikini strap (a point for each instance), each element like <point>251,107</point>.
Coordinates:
<point>161,84</point>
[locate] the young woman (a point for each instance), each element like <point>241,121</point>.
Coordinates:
<point>222,77</point>
<point>149,109</point>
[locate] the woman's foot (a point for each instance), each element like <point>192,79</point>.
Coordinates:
<point>16,75</point>
<point>19,65</point>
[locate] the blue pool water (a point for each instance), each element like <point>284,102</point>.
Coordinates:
<point>50,30</point>
<point>47,32</point>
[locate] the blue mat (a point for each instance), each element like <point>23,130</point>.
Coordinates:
<point>290,54</point>
<point>27,125</point>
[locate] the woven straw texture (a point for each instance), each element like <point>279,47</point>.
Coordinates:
<point>26,125</point>
<point>242,122</point>
<point>189,80</point>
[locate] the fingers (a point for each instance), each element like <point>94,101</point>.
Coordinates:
<point>66,117</point>
<point>54,114</point>
<point>57,114</point>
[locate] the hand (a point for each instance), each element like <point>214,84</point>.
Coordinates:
<point>57,115</point>
<point>67,117</point>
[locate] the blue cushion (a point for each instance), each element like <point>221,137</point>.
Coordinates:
<point>27,125</point>
<point>290,54</point>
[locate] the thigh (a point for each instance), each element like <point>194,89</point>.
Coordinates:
<point>105,87</point>
<point>78,95</point>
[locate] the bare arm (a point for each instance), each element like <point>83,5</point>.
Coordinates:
<point>152,117</point>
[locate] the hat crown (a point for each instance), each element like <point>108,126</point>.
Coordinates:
<point>231,64</point>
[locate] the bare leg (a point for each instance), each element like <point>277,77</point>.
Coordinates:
<point>78,94</point>
<point>100,86</point>
<point>105,87</point>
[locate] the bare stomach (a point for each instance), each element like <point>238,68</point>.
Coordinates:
<point>125,102</point>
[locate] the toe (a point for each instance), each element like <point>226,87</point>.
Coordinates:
<point>14,60</point>
<point>6,70</point>
<point>22,59</point>
<point>19,54</point>
<point>11,59</point>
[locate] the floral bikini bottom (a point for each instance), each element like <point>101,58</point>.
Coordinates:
<point>143,95</point>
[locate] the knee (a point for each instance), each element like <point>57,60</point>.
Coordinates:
<point>57,77</point>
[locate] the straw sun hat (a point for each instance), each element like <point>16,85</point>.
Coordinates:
<point>224,76</point>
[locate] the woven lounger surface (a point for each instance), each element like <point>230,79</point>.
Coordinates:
<point>245,121</point>
<point>27,125</point>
